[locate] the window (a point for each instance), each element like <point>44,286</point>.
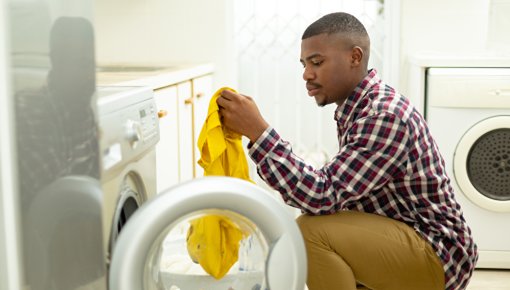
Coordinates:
<point>268,38</point>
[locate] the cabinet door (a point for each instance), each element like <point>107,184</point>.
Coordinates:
<point>186,137</point>
<point>202,91</point>
<point>167,150</point>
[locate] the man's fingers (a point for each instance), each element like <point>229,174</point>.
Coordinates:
<point>229,95</point>
<point>227,99</point>
<point>222,102</point>
<point>222,111</point>
<point>221,115</point>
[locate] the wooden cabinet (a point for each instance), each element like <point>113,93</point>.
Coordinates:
<point>186,105</point>
<point>182,97</point>
<point>202,90</point>
<point>167,150</point>
<point>193,98</point>
<point>186,117</point>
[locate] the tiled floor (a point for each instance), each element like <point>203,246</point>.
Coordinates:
<point>490,280</point>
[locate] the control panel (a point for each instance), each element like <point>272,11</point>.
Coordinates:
<point>128,124</point>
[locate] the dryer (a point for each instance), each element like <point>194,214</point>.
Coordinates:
<point>468,112</point>
<point>128,134</point>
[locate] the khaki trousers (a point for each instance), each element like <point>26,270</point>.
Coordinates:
<point>352,248</point>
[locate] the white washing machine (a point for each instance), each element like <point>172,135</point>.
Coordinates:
<point>129,132</point>
<point>145,233</point>
<point>468,112</point>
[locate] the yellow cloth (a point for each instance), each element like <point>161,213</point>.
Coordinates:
<point>221,149</point>
<point>213,240</point>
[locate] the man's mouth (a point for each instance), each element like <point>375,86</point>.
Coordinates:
<point>312,89</point>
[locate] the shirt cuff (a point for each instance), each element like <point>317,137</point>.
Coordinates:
<point>263,145</point>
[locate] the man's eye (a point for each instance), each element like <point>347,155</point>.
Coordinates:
<point>317,62</point>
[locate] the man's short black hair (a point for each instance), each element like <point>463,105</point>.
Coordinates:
<point>338,22</point>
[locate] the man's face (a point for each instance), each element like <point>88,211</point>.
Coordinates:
<point>328,71</point>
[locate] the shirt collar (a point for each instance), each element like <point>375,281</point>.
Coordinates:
<point>343,111</point>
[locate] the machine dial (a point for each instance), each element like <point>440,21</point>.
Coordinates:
<point>133,133</point>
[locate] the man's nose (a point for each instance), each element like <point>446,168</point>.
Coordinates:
<point>308,74</point>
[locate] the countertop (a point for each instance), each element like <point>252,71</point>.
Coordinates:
<point>464,59</point>
<point>154,76</point>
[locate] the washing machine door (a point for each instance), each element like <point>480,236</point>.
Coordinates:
<point>151,249</point>
<point>482,163</point>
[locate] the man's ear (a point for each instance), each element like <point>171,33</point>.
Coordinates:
<point>357,55</point>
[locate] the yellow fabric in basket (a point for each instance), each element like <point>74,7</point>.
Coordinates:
<point>213,240</point>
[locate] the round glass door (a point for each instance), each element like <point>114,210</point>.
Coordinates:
<point>210,233</point>
<point>481,164</point>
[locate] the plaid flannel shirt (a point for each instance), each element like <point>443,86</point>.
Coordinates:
<point>388,164</point>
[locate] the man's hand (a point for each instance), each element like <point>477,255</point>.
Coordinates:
<point>240,114</point>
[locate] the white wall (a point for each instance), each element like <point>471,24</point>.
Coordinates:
<point>166,31</point>
<point>443,26</point>
<point>169,31</point>
<point>10,268</point>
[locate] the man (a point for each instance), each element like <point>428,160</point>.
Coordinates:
<point>382,212</point>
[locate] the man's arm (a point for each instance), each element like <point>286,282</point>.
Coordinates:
<point>375,153</point>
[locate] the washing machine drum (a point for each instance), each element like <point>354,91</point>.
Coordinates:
<point>482,163</point>
<point>151,249</point>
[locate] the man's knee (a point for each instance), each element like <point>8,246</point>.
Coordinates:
<point>307,224</point>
